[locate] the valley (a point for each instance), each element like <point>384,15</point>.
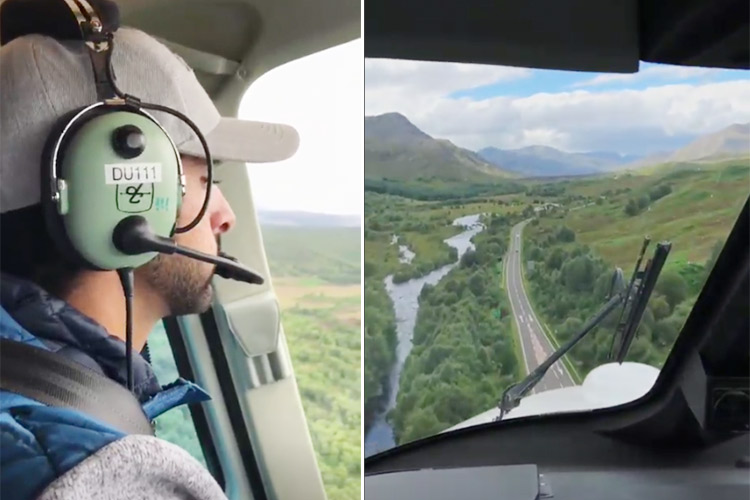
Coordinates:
<point>466,347</point>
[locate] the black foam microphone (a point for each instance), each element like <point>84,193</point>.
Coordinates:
<point>133,236</point>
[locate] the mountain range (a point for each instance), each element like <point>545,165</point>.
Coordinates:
<point>729,142</point>
<point>538,161</point>
<point>395,148</point>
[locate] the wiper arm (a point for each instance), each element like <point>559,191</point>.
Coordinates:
<point>647,283</point>
<point>513,394</point>
<point>640,287</point>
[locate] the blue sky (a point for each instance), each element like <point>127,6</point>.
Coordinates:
<point>553,81</point>
<point>659,108</point>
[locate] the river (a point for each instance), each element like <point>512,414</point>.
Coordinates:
<point>405,298</point>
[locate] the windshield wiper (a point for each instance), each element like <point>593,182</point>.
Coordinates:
<point>640,287</point>
<point>625,332</point>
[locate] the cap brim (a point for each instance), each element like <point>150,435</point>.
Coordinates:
<point>246,141</point>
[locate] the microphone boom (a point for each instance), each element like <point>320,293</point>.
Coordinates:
<point>133,236</point>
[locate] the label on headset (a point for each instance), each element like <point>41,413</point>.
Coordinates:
<point>132,173</point>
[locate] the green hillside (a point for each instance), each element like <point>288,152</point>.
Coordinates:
<point>575,250</point>
<point>703,203</point>
<point>395,149</point>
<point>331,254</point>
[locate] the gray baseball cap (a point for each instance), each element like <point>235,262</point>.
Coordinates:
<point>43,78</point>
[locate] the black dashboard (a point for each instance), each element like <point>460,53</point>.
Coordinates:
<point>711,477</point>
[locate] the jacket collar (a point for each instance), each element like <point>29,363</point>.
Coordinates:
<point>64,329</point>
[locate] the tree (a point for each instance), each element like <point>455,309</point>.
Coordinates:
<point>673,287</point>
<point>566,235</point>
<point>665,332</point>
<point>631,209</point>
<point>535,253</point>
<point>570,328</point>
<point>660,307</point>
<point>578,274</point>
<point>660,192</point>
<point>642,202</point>
<point>469,259</point>
<point>555,259</point>
<point>476,285</point>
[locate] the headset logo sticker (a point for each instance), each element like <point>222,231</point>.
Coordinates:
<point>135,198</point>
<point>162,203</point>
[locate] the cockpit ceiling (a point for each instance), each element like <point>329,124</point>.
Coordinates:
<point>576,35</point>
<point>222,39</point>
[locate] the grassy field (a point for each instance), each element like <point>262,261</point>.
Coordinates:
<point>330,254</point>
<point>694,207</point>
<point>700,211</point>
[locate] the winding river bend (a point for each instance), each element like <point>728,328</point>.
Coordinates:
<point>405,298</point>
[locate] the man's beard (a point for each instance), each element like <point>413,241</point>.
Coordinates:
<point>183,283</point>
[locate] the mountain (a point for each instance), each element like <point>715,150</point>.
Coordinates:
<point>729,142</point>
<point>306,219</point>
<point>544,161</point>
<point>535,161</point>
<point>396,149</point>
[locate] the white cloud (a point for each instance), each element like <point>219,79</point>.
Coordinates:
<point>321,96</point>
<point>408,86</point>
<point>628,121</point>
<point>651,72</point>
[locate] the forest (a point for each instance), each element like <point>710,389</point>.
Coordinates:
<point>422,227</point>
<point>434,190</point>
<point>316,277</point>
<point>380,346</point>
<point>569,283</point>
<point>464,352</point>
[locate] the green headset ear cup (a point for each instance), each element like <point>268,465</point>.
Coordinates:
<point>102,188</point>
<point>53,219</point>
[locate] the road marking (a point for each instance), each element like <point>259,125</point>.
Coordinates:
<point>539,352</point>
<point>518,302</point>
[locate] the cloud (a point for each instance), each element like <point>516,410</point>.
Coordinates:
<point>414,85</point>
<point>436,77</point>
<point>651,72</point>
<point>627,121</point>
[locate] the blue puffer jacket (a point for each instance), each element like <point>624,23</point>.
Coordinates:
<point>39,444</point>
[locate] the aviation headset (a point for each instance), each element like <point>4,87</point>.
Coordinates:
<point>108,168</point>
<point>109,160</point>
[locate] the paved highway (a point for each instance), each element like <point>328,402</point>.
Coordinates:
<point>536,347</point>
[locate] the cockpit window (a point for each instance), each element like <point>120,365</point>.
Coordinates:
<point>309,209</point>
<point>500,203</point>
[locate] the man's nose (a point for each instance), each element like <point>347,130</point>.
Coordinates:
<point>222,215</point>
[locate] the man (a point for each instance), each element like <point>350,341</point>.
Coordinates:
<point>50,303</point>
